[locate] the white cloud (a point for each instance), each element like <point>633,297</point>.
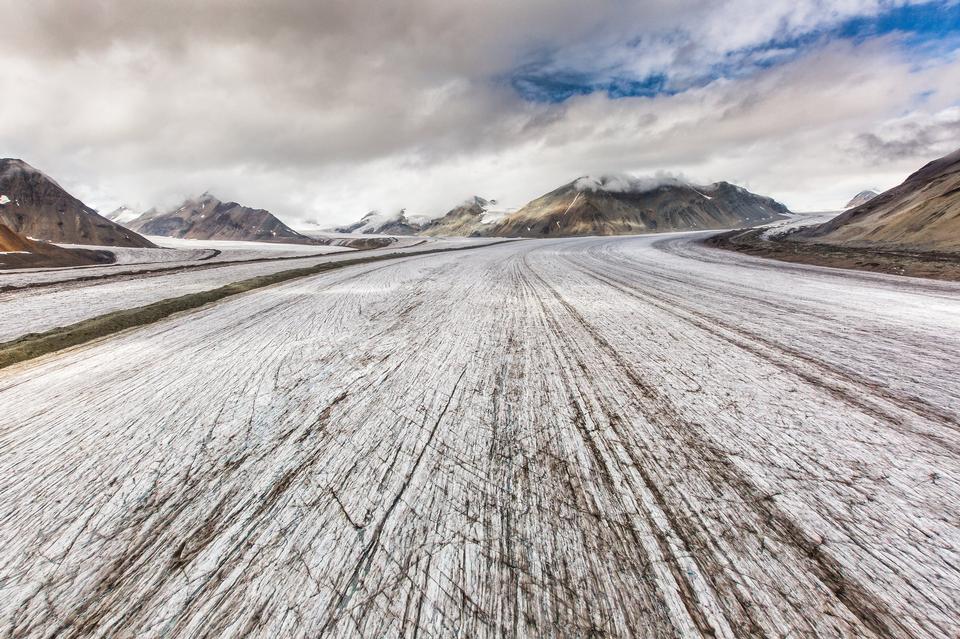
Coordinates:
<point>624,183</point>
<point>324,111</point>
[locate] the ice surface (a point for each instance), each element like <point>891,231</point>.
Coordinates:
<point>584,437</point>
<point>48,298</point>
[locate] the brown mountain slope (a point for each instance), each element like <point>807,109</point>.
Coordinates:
<point>18,251</point>
<point>11,242</point>
<point>922,214</point>
<point>34,205</point>
<point>614,205</point>
<point>207,218</point>
<point>463,220</point>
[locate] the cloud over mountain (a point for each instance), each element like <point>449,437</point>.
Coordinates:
<point>327,110</point>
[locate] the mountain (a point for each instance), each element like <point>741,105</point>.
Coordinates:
<point>32,204</point>
<point>463,220</point>
<point>377,223</point>
<point>613,205</point>
<point>861,198</point>
<point>208,218</point>
<point>922,213</point>
<point>607,205</point>
<point>123,215</point>
<point>19,251</point>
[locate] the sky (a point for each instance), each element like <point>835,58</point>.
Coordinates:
<point>322,111</point>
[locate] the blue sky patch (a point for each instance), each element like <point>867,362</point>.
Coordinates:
<point>930,30</point>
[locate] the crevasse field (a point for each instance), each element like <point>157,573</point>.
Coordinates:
<point>634,436</point>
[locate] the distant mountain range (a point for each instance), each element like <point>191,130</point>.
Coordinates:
<point>463,220</point>
<point>122,215</point>
<point>378,223</point>
<point>471,218</point>
<point>922,213</point>
<point>615,205</point>
<point>607,205</point>
<point>33,205</point>
<point>208,218</point>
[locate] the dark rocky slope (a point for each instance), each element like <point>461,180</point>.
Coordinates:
<point>32,204</point>
<point>208,218</point>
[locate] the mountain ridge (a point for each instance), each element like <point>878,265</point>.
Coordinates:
<point>206,217</point>
<point>619,205</point>
<point>604,205</point>
<point>921,213</point>
<point>33,204</point>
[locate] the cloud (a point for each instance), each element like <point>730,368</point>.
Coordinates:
<point>710,40</point>
<point>918,135</point>
<point>623,183</point>
<point>323,111</point>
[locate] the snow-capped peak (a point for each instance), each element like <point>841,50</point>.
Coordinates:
<point>375,220</point>
<point>123,215</point>
<point>476,200</point>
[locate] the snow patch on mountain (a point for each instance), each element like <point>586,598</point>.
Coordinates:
<point>375,220</point>
<point>492,215</point>
<point>123,215</point>
<point>489,211</point>
<point>419,220</point>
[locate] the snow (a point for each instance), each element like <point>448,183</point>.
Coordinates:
<point>795,221</point>
<point>265,248</point>
<point>490,212</point>
<point>494,215</point>
<point>177,254</point>
<point>45,299</point>
<point>628,436</point>
<point>570,206</point>
<point>123,215</point>
<point>375,219</point>
<point>419,220</point>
